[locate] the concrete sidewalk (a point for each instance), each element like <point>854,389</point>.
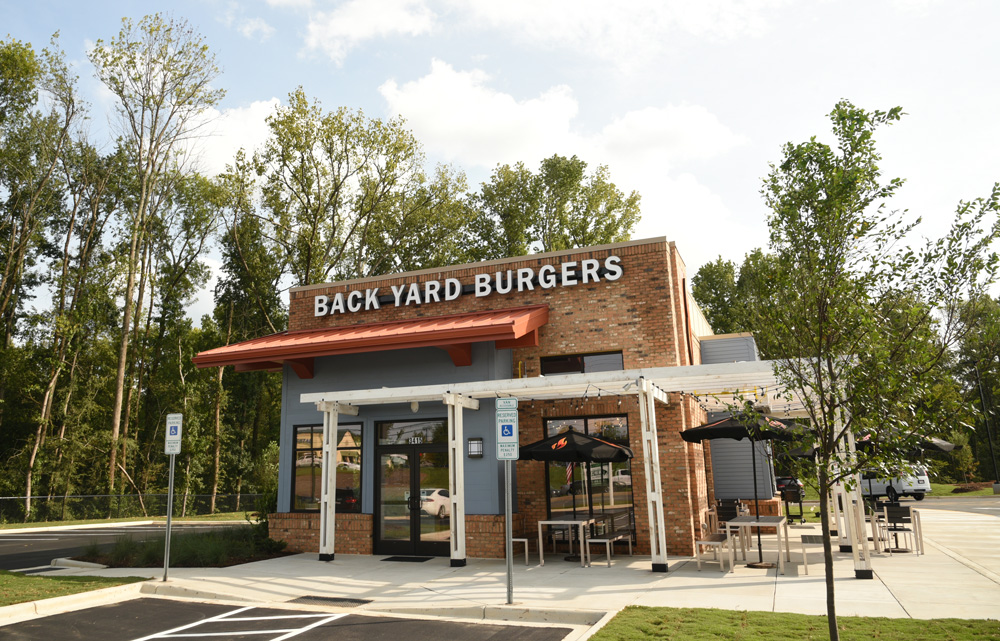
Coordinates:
<point>959,576</point>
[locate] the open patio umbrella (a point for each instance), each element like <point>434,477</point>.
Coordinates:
<point>755,427</point>
<point>575,447</point>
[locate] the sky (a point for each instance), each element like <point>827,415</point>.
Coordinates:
<point>686,102</point>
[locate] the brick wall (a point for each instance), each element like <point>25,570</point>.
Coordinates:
<point>643,314</point>
<point>301,532</point>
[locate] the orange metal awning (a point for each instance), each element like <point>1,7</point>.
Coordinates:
<point>513,327</point>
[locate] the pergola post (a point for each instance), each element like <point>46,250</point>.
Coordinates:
<point>456,473</point>
<point>654,486</point>
<point>854,508</point>
<point>328,489</point>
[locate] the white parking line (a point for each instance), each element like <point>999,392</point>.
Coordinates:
<point>160,635</point>
<point>286,633</point>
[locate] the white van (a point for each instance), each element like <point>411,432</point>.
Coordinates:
<point>916,485</point>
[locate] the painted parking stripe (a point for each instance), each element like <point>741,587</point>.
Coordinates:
<point>183,632</point>
<point>310,627</point>
<point>161,635</point>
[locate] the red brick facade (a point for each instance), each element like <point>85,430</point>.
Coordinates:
<point>645,314</point>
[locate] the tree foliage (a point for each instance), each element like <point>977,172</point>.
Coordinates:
<point>863,319</point>
<point>559,207</point>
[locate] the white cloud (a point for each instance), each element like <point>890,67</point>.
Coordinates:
<point>336,32</point>
<point>625,33</point>
<point>224,133</point>
<point>256,28</point>
<point>291,4</point>
<point>462,119</point>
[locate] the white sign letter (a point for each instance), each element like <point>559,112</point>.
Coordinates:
<point>354,300</point>
<point>483,285</point>
<point>547,276</point>
<point>371,299</point>
<point>397,291</point>
<point>321,305</point>
<point>614,266</point>
<point>452,289</point>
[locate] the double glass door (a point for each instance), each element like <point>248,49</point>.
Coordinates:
<point>413,513</point>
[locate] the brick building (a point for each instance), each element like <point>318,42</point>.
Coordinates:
<point>389,431</point>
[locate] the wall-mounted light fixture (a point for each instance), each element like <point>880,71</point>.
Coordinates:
<point>415,406</point>
<point>475,447</point>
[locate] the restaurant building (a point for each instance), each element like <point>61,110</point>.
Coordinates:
<point>388,424</point>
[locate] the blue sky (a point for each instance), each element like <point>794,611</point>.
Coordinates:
<point>686,102</point>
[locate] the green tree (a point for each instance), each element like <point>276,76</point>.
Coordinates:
<point>714,288</point>
<point>560,207</point>
<point>161,73</point>
<point>863,319</point>
<point>346,196</point>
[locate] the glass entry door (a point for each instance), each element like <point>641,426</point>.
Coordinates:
<point>413,514</point>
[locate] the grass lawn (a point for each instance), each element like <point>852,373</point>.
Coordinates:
<point>937,489</point>
<point>690,624</point>
<point>19,588</point>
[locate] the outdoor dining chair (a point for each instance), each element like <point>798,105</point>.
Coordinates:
<point>716,541</point>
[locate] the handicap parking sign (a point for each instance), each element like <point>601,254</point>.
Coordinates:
<point>507,430</point>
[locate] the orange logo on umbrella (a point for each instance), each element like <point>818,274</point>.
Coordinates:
<point>561,443</point>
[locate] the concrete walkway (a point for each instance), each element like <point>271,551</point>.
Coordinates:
<point>959,576</point>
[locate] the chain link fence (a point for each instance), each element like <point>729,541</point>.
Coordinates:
<point>77,507</point>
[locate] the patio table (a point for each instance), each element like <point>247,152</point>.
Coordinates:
<point>569,522</point>
<point>779,523</point>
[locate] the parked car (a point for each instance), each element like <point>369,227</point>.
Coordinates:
<point>436,502</point>
<point>789,487</point>
<point>916,485</point>
<point>622,477</point>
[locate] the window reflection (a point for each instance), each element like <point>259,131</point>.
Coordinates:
<point>308,469</point>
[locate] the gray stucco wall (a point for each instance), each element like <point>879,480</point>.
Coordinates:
<point>399,368</point>
<point>728,349</point>
<point>732,469</point>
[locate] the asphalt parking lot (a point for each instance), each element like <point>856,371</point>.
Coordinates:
<point>148,619</point>
<point>33,551</point>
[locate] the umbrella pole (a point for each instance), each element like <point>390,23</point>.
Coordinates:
<point>760,547</point>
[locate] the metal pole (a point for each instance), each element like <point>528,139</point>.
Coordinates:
<point>170,510</point>
<point>986,421</point>
<point>509,544</point>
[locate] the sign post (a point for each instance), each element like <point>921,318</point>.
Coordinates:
<point>507,451</point>
<point>172,446</point>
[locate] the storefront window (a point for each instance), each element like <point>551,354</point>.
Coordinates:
<point>308,472</point>
<point>413,432</point>
<point>609,490</point>
<point>582,363</point>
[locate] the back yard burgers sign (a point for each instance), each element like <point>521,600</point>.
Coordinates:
<point>566,274</point>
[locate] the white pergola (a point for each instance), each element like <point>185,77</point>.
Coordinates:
<point>716,387</point>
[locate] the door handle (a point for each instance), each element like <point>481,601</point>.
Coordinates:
<point>414,503</point>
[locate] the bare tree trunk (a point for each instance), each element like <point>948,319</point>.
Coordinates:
<point>218,418</point>
<point>187,487</point>
<point>824,514</point>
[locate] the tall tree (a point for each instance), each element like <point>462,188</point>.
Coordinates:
<point>342,193</point>
<point>714,288</point>
<point>161,73</point>
<point>559,207</point>
<point>863,318</point>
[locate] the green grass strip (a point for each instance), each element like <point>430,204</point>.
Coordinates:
<point>20,588</point>
<point>636,623</point>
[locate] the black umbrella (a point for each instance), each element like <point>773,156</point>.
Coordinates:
<point>575,447</point>
<point>755,427</point>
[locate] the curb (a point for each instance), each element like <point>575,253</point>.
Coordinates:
<point>61,604</point>
<point>506,613</point>
<point>85,526</point>
<point>159,588</point>
<point>73,563</point>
